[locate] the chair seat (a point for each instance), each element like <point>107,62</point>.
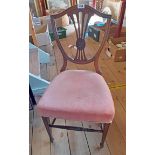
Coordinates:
<point>78,95</point>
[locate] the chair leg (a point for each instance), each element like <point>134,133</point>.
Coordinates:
<point>104,134</point>
<point>46,121</point>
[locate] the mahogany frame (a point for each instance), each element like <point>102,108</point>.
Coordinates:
<point>80,34</point>
<point>80,58</point>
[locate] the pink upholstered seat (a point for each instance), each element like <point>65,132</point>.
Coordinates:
<point>78,95</point>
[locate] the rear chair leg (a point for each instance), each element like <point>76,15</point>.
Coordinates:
<point>46,121</point>
<point>104,134</point>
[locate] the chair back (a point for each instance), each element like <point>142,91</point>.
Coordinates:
<point>80,16</point>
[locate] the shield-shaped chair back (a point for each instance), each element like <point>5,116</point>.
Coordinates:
<point>80,16</point>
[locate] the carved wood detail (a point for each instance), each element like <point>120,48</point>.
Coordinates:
<point>83,16</point>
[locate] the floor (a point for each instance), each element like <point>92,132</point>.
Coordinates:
<point>83,143</point>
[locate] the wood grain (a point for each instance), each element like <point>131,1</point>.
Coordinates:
<point>80,143</point>
<point>120,95</point>
<point>77,140</point>
<point>94,140</point>
<point>34,64</point>
<point>60,145</point>
<point>40,140</point>
<point>115,141</point>
<point>120,117</point>
<point>30,131</point>
<point>32,30</point>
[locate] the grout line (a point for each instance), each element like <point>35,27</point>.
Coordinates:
<point>114,88</point>
<point>50,141</point>
<point>120,102</point>
<point>112,71</point>
<point>50,148</point>
<point>32,129</point>
<point>86,139</point>
<point>68,140</point>
<point>108,148</point>
<point>119,131</point>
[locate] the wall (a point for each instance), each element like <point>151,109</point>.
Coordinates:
<point>115,6</point>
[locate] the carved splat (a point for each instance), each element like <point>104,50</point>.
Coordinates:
<point>80,18</point>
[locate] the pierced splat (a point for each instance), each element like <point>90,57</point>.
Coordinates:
<point>82,16</point>
<point>80,29</point>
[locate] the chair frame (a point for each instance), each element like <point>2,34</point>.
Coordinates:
<point>48,125</point>
<point>80,58</point>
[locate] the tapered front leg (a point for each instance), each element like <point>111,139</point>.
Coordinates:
<point>46,121</point>
<point>104,134</point>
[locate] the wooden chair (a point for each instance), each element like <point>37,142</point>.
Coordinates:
<point>78,95</point>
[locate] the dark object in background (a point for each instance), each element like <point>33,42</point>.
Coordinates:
<point>94,33</point>
<point>32,100</point>
<point>61,33</point>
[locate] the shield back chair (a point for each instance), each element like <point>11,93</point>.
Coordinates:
<point>78,95</point>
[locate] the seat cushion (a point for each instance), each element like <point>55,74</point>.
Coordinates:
<point>78,95</point>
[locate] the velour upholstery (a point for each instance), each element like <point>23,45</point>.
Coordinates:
<point>78,95</point>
